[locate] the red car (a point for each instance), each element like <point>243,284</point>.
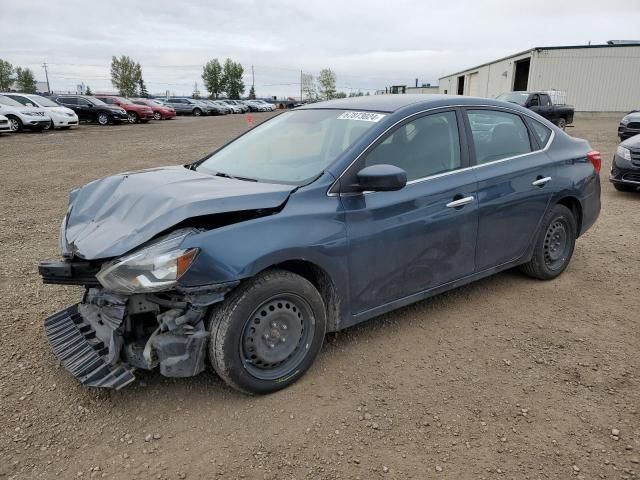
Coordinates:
<point>160,110</point>
<point>136,113</point>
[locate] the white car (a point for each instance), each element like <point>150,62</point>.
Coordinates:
<point>21,116</point>
<point>263,106</point>
<point>4,125</point>
<point>61,117</point>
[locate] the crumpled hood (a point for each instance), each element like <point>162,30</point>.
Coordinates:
<point>113,215</point>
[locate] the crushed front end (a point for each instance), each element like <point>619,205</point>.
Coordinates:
<point>134,315</point>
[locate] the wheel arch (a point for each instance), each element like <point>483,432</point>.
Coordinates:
<point>573,204</point>
<point>322,281</point>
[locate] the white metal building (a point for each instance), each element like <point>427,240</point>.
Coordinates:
<point>596,78</point>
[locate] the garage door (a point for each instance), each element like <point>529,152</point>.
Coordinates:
<point>474,85</point>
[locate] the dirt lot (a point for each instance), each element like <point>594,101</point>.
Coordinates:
<point>508,378</point>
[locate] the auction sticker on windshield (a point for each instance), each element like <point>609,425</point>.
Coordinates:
<point>364,116</point>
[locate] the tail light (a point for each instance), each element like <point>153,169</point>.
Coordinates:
<point>596,160</point>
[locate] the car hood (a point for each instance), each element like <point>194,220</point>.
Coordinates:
<point>113,215</point>
<point>60,110</point>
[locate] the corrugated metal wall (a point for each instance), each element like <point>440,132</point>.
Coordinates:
<point>605,79</point>
<point>595,79</point>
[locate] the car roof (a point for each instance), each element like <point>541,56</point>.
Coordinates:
<point>393,102</point>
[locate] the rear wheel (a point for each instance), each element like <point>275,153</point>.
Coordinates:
<point>561,123</point>
<point>267,333</point>
<point>103,119</point>
<point>624,188</point>
<point>14,123</point>
<point>554,245</point>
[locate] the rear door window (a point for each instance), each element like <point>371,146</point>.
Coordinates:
<point>497,135</point>
<point>68,100</point>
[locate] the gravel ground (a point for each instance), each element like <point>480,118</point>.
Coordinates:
<point>508,378</point>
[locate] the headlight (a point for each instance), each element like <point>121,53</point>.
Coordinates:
<point>154,268</point>
<point>62,239</point>
<point>625,120</point>
<point>623,153</point>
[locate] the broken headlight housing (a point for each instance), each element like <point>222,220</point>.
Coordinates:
<point>154,268</point>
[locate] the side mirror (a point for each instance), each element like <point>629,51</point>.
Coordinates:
<point>381,178</point>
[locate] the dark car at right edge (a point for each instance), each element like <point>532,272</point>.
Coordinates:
<point>315,220</point>
<point>625,168</point>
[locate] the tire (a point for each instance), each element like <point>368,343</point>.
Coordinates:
<point>15,124</point>
<point>157,116</point>
<point>561,123</point>
<point>554,246</point>
<point>133,117</point>
<point>51,125</point>
<point>624,188</point>
<point>103,119</point>
<point>197,112</point>
<point>248,347</point>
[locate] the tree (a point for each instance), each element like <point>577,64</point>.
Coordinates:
<point>327,83</point>
<point>339,95</point>
<point>308,87</point>
<point>125,75</point>
<point>25,81</point>
<point>142,89</point>
<point>252,93</point>
<point>88,91</point>
<point>6,75</point>
<point>213,78</point>
<point>232,75</point>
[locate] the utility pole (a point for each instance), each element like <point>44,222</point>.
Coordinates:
<point>300,86</point>
<point>46,74</point>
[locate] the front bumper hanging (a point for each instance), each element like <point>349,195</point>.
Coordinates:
<point>76,345</point>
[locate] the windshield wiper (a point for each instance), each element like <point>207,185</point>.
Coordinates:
<point>233,177</point>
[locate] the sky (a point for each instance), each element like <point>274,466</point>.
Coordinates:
<point>368,44</point>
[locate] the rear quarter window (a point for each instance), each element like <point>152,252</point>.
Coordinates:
<point>540,131</point>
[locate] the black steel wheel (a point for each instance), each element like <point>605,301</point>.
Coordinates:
<point>267,332</point>
<point>554,246</point>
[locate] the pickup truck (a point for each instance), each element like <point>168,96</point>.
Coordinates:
<point>540,102</point>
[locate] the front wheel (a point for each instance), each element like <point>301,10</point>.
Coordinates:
<point>103,119</point>
<point>157,116</point>
<point>133,117</point>
<point>267,333</point>
<point>554,245</point>
<point>197,112</point>
<point>15,125</point>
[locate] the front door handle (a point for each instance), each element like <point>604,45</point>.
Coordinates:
<point>460,202</point>
<point>541,182</point>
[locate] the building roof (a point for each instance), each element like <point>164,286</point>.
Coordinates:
<point>565,47</point>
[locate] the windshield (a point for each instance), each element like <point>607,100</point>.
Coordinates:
<point>514,97</point>
<point>292,148</point>
<point>95,101</point>
<point>42,101</point>
<point>9,102</point>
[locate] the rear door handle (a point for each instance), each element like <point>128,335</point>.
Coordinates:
<point>540,182</point>
<point>460,202</point>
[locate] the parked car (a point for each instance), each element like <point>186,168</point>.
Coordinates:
<point>22,117</point>
<point>90,109</point>
<point>239,103</point>
<point>207,107</point>
<point>625,168</point>
<point>231,104</point>
<point>313,221</point>
<point>629,126</point>
<point>217,109</point>
<point>260,106</point>
<point>540,102</point>
<point>136,113</point>
<point>61,117</point>
<point>227,108</point>
<point>4,125</point>
<point>186,106</point>
<point>160,110</point>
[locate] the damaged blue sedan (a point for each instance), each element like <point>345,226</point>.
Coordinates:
<point>311,222</point>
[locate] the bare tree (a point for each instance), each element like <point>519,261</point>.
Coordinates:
<point>309,90</point>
